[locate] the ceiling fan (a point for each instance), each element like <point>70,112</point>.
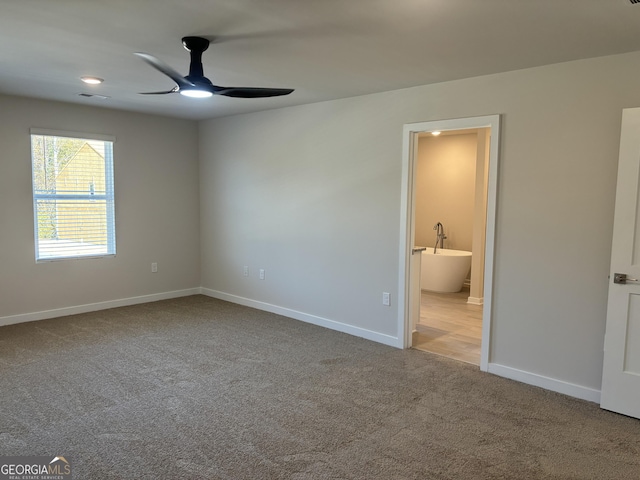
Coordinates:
<point>196,84</point>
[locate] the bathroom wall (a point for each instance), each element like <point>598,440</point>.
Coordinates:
<point>476,295</point>
<point>445,188</point>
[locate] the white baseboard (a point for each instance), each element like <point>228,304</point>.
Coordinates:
<point>475,300</point>
<point>547,383</point>
<point>305,317</point>
<point>92,307</point>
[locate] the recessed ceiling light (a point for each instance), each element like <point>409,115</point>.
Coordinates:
<point>436,133</point>
<point>92,80</point>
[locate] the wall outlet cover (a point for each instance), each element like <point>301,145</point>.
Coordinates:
<point>386,298</point>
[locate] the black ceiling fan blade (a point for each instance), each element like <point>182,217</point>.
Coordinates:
<point>249,92</point>
<point>173,90</point>
<point>166,69</point>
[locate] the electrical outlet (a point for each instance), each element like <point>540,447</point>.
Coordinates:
<point>245,271</point>
<point>386,298</point>
<point>262,274</point>
<point>154,267</point>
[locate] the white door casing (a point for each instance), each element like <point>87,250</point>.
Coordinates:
<point>621,368</point>
<point>407,227</point>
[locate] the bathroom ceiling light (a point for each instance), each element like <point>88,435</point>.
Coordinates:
<point>436,133</point>
<point>92,80</point>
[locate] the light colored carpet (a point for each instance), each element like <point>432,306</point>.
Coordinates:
<point>197,388</point>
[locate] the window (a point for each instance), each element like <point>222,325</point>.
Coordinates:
<point>72,195</point>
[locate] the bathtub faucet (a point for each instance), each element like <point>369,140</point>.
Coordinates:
<point>440,236</point>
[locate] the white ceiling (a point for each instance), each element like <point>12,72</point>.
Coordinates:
<point>325,49</point>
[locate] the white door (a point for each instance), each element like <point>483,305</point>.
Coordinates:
<point>621,369</point>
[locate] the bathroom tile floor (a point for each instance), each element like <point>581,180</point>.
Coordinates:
<point>449,326</point>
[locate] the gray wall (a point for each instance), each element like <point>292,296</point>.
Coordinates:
<point>312,194</point>
<point>157,212</point>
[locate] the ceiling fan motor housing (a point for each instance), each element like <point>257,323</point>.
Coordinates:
<point>196,44</point>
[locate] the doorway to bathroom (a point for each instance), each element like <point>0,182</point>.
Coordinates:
<point>449,198</point>
<point>450,211</point>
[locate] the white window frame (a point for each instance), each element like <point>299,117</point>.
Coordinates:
<point>109,195</point>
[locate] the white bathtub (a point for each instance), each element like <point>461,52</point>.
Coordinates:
<point>444,272</point>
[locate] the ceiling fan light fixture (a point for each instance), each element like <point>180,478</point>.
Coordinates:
<point>195,84</point>
<point>91,80</point>
<point>195,93</point>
